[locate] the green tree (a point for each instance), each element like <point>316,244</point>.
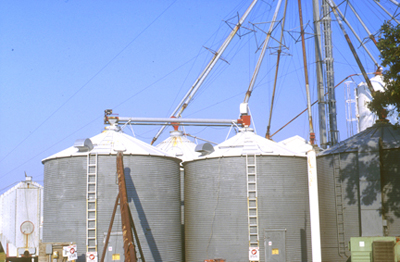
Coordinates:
<point>389,46</point>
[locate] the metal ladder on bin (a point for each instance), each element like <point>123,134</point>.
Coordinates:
<point>339,205</point>
<point>252,205</point>
<point>91,203</point>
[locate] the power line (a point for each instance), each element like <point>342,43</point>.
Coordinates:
<point>87,82</point>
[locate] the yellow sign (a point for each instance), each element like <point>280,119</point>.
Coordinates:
<point>275,251</point>
<point>116,257</point>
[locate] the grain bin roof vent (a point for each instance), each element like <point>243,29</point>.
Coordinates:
<point>204,149</point>
<point>83,145</point>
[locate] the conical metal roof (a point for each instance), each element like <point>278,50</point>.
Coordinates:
<point>297,143</point>
<point>369,138</point>
<point>247,142</point>
<point>111,140</point>
<point>179,146</point>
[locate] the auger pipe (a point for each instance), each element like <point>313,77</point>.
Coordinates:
<point>302,112</point>
<point>312,134</point>
<point>389,14</point>
<point>371,36</point>
<point>356,35</point>
<point>334,9</point>
<point>276,71</point>
<point>262,54</point>
<point>192,91</point>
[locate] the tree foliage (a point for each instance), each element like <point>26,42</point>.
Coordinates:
<point>389,46</point>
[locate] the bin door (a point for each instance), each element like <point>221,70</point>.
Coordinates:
<point>274,242</point>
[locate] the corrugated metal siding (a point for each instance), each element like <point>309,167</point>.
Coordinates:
<point>326,193</point>
<point>346,164</point>
<point>9,208</point>
<point>391,189</point>
<point>64,209</point>
<point>28,209</point>
<point>350,183</point>
<point>154,198</point>
<point>153,192</point>
<point>216,207</point>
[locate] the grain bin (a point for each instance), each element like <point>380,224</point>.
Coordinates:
<point>359,189</point>
<point>222,219</point>
<point>20,219</point>
<point>71,214</point>
<point>178,145</point>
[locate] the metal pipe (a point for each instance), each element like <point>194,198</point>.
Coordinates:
<point>320,79</point>
<point>395,2</point>
<point>389,14</point>
<point>314,205</point>
<point>189,95</point>
<point>294,118</point>
<point>267,135</point>
<point>312,134</point>
<point>262,54</point>
<point>334,9</point>
<point>129,246</point>
<point>356,35</point>
<point>371,36</point>
<point>176,120</point>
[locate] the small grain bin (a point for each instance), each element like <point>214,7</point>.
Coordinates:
<point>81,189</point>
<point>222,217</point>
<point>359,189</point>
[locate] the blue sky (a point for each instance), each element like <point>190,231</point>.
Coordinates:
<point>62,63</point>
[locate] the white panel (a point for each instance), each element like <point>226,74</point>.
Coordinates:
<point>28,206</point>
<point>8,215</point>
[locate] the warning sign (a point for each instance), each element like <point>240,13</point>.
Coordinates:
<point>275,251</point>
<point>91,256</point>
<point>72,254</point>
<point>254,254</point>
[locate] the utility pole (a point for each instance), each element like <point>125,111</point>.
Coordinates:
<point>129,246</point>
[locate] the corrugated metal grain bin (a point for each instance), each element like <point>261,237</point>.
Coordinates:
<point>219,215</point>
<point>152,179</point>
<point>20,218</point>
<point>359,189</point>
<point>178,145</point>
